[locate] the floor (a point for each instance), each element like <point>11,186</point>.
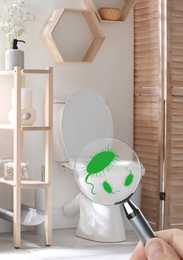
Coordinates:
<point>61,238</point>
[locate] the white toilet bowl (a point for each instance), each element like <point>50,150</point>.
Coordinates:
<point>97,222</point>
<point>84,117</point>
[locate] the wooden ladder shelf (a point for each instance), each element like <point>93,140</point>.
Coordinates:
<point>18,129</point>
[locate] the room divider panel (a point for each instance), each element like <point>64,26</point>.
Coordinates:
<point>158,108</point>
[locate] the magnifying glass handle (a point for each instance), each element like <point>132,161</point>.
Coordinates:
<point>138,222</point>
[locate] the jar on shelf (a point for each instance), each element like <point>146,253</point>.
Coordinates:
<point>7,166</point>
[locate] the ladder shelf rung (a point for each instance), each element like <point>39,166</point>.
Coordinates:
<point>35,128</point>
<point>28,183</point>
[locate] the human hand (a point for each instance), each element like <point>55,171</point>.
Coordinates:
<point>168,245</point>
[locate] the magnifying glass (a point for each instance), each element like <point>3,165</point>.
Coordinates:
<point>108,172</point>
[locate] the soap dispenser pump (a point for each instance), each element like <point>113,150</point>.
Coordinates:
<point>14,57</point>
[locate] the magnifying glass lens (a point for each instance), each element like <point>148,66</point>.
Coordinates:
<point>107,171</point>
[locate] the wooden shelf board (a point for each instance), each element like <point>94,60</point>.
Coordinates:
<point>36,71</point>
<point>6,73</point>
<point>6,126</point>
<point>9,182</point>
<point>33,184</point>
<point>113,22</point>
<point>127,7</point>
<point>26,71</point>
<point>26,183</point>
<point>26,128</point>
<point>35,128</point>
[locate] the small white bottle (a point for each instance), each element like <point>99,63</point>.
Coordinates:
<point>14,57</point>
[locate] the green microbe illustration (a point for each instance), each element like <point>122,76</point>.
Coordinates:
<point>129,178</point>
<point>107,187</point>
<point>99,162</point>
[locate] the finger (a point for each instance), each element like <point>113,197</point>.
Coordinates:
<point>157,249</point>
<point>174,237</point>
<point>139,253</point>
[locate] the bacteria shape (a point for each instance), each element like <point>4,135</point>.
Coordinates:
<point>107,187</point>
<point>99,163</point>
<point>129,178</point>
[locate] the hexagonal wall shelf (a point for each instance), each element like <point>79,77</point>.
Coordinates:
<point>127,7</point>
<point>52,31</point>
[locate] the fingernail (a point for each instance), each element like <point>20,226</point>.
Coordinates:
<point>154,250</point>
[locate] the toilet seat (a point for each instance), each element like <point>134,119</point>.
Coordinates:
<point>85,117</point>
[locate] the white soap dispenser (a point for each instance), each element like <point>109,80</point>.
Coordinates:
<point>14,57</point>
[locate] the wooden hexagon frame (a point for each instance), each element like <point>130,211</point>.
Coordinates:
<point>127,7</point>
<point>93,23</point>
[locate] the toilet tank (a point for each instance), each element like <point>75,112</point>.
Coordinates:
<point>59,150</point>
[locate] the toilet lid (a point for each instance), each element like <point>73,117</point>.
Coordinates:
<point>85,117</point>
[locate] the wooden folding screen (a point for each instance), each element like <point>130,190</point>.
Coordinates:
<point>174,117</point>
<point>158,108</point>
<point>148,105</point>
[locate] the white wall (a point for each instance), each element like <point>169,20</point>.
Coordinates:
<point>110,74</point>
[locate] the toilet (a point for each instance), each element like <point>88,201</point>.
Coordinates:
<point>84,117</point>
